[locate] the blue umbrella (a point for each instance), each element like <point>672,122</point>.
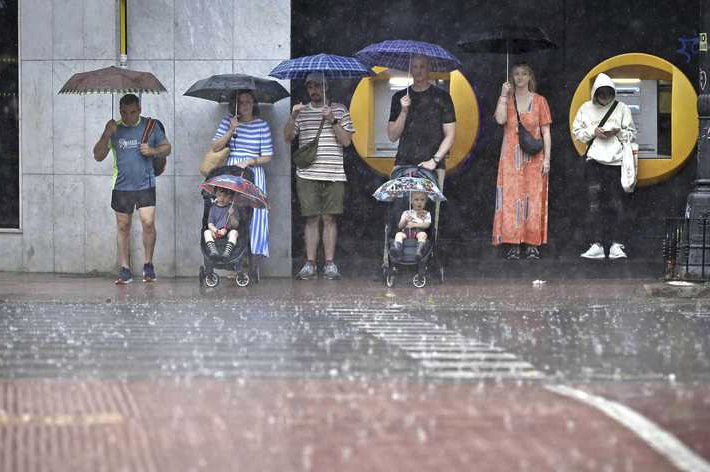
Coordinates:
<point>332,67</point>
<point>397,54</point>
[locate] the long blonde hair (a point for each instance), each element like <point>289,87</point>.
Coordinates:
<point>524,65</point>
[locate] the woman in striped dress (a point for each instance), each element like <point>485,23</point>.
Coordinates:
<point>249,141</point>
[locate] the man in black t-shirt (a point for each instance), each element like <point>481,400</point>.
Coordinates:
<point>423,120</point>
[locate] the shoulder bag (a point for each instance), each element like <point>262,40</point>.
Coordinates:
<point>304,156</point>
<point>528,143</point>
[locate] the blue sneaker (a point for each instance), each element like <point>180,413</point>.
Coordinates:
<point>149,273</point>
<point>124,276</point>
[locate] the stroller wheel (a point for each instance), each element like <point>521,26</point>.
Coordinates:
<point>212,280</point>
<point>419,280</point>
<point>242,279</point>
<point>202,276</point>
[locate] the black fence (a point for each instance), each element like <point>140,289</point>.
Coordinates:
<point>686,250</point>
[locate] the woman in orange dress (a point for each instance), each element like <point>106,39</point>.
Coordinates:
<point>520,220</point>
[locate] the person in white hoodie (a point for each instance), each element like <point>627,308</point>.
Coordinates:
<point>602,169</point>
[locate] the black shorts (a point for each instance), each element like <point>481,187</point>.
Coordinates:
<point>127,201</point>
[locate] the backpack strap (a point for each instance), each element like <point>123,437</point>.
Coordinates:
<point>148,129</point>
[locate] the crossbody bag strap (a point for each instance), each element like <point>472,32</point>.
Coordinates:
<point>602,123</point>
<point>320,129</point>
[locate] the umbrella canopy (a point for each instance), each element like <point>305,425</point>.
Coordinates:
<point>332,67</point>
<point>403,186</point>
<point>398,53</point>
<point>509,39</point>
<point>112,80</point>
<point>245,192</point>
<point>221,88</point>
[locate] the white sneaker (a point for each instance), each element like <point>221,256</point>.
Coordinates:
<point>616,251</point>
<point>595,251</point>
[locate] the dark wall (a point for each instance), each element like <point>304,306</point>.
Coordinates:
<point>9,117</point>
<point>588,32</point>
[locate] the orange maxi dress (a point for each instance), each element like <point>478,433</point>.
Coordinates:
<point>521,189</point>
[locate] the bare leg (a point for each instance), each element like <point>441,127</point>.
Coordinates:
<point>330,236</point>
<point>232,236</point>
<point>208,236</point>
<point>147,215</point>
<point>399,237</point>
<point>123,222</point>
<point>312,234</point>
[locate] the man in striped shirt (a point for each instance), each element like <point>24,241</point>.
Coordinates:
<point>321,185</point>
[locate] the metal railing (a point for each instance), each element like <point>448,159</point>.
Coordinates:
<point>686,249</point>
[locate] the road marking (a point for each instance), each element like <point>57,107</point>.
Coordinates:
<point>656,437</point>
<point>441,352</point>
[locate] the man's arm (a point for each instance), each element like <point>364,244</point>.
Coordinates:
<point>101,147</point>
<point>448,141</point>
<point>396,127</point>
<point>445,146</point>
<point>343,136</point>
<point>161,150</point>
<point>290,131</point>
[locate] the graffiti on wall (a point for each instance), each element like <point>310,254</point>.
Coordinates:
<point>689,47</point>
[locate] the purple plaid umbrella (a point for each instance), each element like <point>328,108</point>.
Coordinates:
<point>332,67</point>
<point>397,54</point>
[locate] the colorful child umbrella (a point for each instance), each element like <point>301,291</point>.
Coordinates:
<point>246,194</point>
<point>404,186</point>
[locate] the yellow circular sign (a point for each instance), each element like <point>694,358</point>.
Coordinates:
<point>683,109</point>
<point>363,111</point>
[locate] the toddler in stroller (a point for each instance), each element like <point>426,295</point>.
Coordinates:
<point>411,229</point>
<point>222,221</point>
<point>224,235</point>
<point>413,225</point>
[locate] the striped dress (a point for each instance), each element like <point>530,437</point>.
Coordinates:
<point>252,139</point>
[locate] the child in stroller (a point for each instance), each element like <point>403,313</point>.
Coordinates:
<point>222,218</point>
<point>413,224</point>
<point>411,232</point>
<point>222,222</point>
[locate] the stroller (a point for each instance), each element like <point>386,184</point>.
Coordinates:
<point>406,259</point>
<point>245,269</point>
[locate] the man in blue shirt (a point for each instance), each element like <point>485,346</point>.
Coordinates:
<point>133,179</point>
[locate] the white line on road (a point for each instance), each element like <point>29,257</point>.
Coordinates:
<point>656,437</point>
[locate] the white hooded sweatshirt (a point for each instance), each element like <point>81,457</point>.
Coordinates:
<point>607,151</point>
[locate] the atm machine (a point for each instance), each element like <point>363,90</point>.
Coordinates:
<point>649,102</point>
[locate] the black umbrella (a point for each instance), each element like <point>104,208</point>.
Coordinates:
<point>221,88</point>
<point>509,39</point>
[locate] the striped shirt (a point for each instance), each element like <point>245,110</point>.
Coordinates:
<point>251,139</point>
<point>329,161</point>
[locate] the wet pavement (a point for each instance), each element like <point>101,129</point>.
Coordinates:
<point>477,374</point>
